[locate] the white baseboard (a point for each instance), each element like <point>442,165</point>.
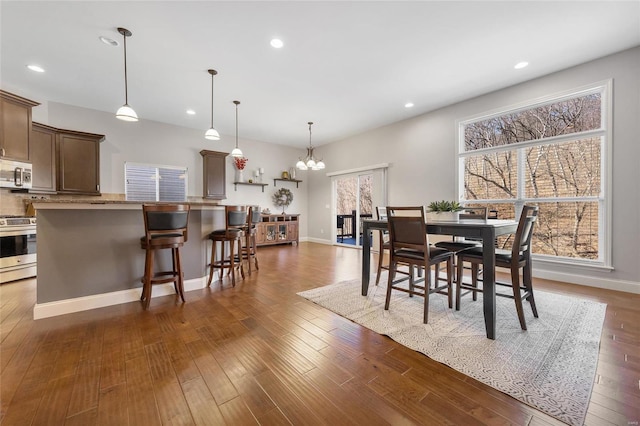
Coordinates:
<point>598,282</point>
<point>78,304</point>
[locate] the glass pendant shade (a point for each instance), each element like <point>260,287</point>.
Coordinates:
<point>126,113</point>
<point>320,165</point>
<point>212,134</point>
<point>236,152</point>
<point>300,165</point>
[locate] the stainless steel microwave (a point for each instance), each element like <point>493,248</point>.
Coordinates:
<point>15,174</point>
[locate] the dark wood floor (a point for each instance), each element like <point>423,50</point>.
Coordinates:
<point>260,354</point>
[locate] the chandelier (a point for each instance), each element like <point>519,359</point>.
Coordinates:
<point>309,162</point>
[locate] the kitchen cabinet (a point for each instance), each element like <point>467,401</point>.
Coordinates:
<point>214,170</point>
<point>42,156</point>
<point>15,126</point>
<point>277,229</point>
<point>78,155</point>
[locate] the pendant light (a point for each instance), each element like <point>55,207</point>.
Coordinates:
<point>236,151</point>
<point>125,112</point>
<point>212,133</point>
<point>310,162</point>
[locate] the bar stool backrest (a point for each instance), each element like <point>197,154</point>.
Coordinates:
<point>236,216</point>
<point>165,220</point>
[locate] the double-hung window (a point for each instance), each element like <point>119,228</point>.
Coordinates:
<point>149,182</point>
<point>551,153</point>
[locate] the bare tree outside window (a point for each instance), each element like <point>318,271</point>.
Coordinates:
<point>530,156</point>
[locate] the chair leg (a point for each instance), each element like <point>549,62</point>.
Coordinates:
<point>450,281</point>
<point>392,269</point>
<point>515,283</point>
<point>528,283</point>
<point>180,281</point>
<point>232,259</point>
<point>254,243</point>
<point>475,271</point>
<point>247,250</point>
<point>411,288</point>
<point>380,259</point>
<point>459,283</point>
<point>213,260</point>
<point>146,290</point>
<point>427,284</point>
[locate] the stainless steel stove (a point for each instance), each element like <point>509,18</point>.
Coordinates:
<point>17,248</point>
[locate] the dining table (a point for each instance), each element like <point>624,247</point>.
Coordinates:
<point>485,229</point>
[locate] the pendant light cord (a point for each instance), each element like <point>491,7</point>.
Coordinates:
<point>212,99</point>
<point>126,89</point>
<point>236,102</point>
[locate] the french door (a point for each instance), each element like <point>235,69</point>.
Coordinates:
<point>355,197</point>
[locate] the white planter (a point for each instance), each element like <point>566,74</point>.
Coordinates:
<point>443,216</point>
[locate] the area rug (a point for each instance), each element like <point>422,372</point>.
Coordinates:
<point>550,367</point>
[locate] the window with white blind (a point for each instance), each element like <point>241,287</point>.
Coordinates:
<point>552,153</point>
<point>150,182</point>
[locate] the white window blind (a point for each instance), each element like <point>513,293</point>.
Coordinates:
<point>149,182</point>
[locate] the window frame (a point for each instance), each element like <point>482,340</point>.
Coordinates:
<point>604,198</point>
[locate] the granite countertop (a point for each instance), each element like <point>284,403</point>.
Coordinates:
<point>109,204</point>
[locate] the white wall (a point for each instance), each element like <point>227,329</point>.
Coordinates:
<point>158,143</point>
<point>421,153</point>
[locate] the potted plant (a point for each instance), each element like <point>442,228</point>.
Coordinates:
<point>444,210</point>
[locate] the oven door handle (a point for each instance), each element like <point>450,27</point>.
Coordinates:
<point>5,232</point>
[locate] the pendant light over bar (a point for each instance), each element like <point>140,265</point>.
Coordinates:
<point>125,112</point>
<point>212,133</point>
<point>310,162</point>
<point>236,151</point>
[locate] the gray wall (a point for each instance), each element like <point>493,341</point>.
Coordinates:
<point>421,153</point>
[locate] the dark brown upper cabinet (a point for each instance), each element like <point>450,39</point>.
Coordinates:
<point>15,126</point>
<point>214,173</point>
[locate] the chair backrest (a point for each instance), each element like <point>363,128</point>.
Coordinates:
<point>522,240</point>
<point>255,215</point>
<point>407,229</point>
<point>236,216</point>
<point>473,213</point>
<point>381,213</point>
<point>163,219</point>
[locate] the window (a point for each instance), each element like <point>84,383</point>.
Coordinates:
<point>551,153</point>
<point>148,182</point>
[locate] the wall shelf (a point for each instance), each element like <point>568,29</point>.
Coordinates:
<point>250,183</point>
<point>297,181</point>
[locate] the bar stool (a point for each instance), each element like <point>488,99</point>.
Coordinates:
<point>235,221</point>
<point>250,248</point>
<point>165,227</point>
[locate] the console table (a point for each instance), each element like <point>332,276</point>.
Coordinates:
<point>277,229</point>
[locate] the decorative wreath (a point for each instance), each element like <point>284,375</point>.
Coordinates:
<point>282,197</point>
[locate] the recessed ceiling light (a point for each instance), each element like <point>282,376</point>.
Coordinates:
<point>277,43</point>
<point>35,68</point>
<point>521,65</point>
<point>191,112</point>
<point>109,41</point>
<point>408,105</point>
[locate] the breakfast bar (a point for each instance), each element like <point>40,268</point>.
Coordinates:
<point>89,253</point>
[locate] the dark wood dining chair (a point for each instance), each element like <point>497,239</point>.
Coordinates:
<point>165,227</point>
<point>519,257</point>
<point>458,244</point>
<point>409,245</point>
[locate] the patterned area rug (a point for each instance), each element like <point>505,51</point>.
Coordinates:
<point>550,367</point>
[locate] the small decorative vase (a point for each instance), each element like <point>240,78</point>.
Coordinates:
<point>239,176</point>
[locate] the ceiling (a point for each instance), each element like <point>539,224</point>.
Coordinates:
<point>347,66</point>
